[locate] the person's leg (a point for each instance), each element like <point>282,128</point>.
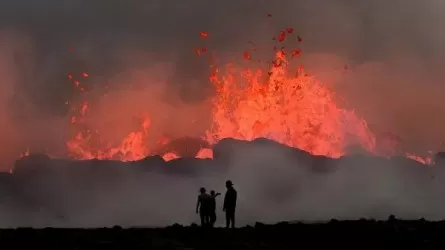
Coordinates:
<point>214,218</point>
<point>233,219</point>
<point>227,219</point>
<point>207,220</point>
<point>211,219</point>
<point>202,219</point>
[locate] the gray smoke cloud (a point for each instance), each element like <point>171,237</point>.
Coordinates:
<point>393,50</point>
<point>272,186</point>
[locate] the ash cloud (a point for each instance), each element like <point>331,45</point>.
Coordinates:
<point>272,186</point>
<point>394,50</point>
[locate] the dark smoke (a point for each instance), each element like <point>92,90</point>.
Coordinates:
<point>393,49</point>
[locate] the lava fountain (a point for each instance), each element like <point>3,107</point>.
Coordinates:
<point>278,102</point>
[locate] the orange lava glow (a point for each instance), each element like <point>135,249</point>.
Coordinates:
<point>424,160</point>
<point>293,109</point>
<point>25,153</point>
<point>205,153</point>
<point>278,102</point>
<point>170,156</point>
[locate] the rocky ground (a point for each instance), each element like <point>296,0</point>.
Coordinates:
<point>360,234</point>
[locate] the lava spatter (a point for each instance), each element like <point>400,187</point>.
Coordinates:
<point>270,101</point>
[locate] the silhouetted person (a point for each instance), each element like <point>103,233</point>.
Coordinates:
<point>202,207</point>
<point>212,207</point>
<point>230,204</point>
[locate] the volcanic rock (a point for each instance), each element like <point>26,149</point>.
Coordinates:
<point>362,234</point>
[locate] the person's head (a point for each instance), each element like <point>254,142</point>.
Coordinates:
<point>202,190</point>
<point>212,192</point>
<point>229,184</point>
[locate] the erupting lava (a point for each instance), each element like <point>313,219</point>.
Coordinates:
<point>293,109</point>
<point>278,102</point>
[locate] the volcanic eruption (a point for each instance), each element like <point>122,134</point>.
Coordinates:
<point>325,102</point>
<point>252,99</point>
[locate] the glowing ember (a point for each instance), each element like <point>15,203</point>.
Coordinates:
<point>424,160</point>
<point>25,153</point>
<point>296,52</point>
<point>247,55</point>
<point>201,50</point>
<point>170,156</point>
<point>204,34</point>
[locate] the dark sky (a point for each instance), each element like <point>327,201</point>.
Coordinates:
<point>103,30</point>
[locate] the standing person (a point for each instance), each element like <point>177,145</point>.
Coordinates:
<point>202,207</point>
<point>212,207</point>
<point>230,204</point>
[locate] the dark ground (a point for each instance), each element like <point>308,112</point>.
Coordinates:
<point>392,234</point>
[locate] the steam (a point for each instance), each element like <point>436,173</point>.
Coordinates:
<point>272,186</point>
<point>393,50</point>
